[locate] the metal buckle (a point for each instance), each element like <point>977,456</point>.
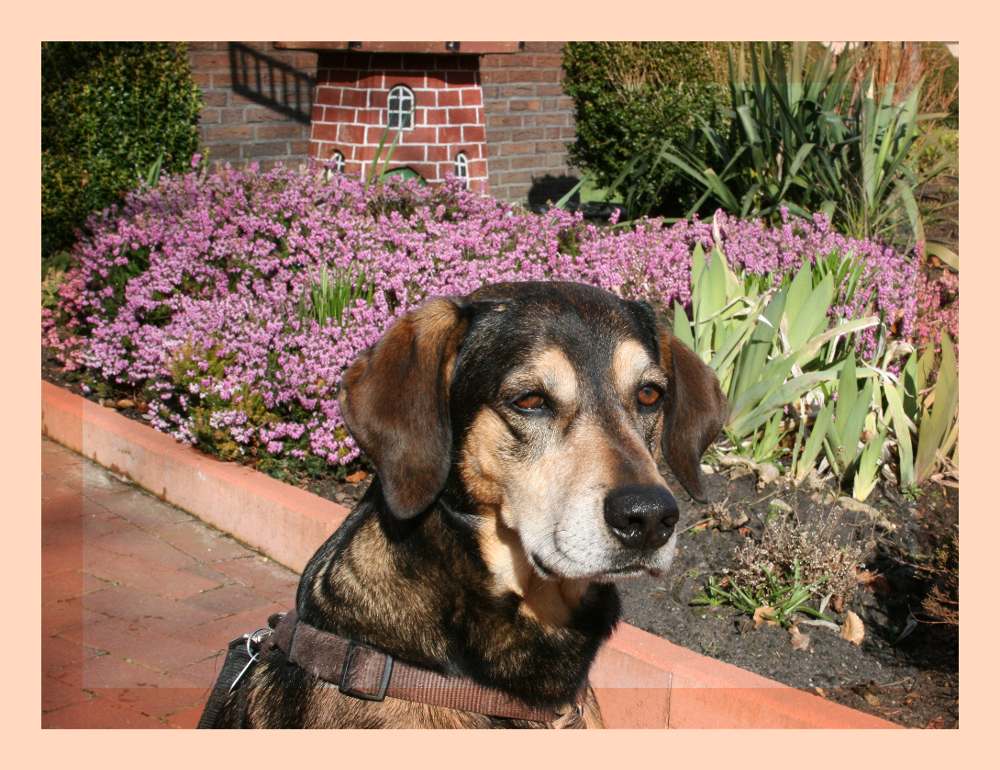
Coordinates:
<point>345,674</point>
<point>253,641</point>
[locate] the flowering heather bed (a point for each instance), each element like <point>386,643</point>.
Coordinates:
<point>937,303</point>
<point>191,294</point>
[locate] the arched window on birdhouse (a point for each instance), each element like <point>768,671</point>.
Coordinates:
<point>401,104</point>
<point>462,168</point>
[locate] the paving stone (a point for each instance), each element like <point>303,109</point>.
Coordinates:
<point>188,718</point>
<point>228,600</point>
<point>61,505</point>
<point>60,532</point>
<point>57,694</point>
<point>199,541</point>
<point>144,574</point>
<point>110,671</point>
<point>70,584</point>
<point>140,600</point>
<point>59,617</point>
<point>135,542</point>
<point>99,713</point>
<point>60,655</point>
<point>107,672</point>
<point>206,671</point>
<point>154,613</point>
<point>209,572</point>
<point>263,576</point>
<point>129,640</point>
<point>68,556</point>
<point>58,487</point>
<point>96,526</point>
<point>139,507</point>
<point>98,479</point>
<point>161,701</point>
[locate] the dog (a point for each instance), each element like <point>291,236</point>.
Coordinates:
<point>515,434</point>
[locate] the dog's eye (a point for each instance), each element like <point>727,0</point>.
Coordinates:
<point>649,395</point>
<point>529,402</point>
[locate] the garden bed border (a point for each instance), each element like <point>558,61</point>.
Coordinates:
<point>641,680</point>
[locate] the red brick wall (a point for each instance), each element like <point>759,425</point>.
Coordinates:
<point>257,101</point>
<point>529,120</point>
<point>350,112</point>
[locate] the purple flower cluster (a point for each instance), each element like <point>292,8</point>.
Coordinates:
<point>191,293</point>
<point>937,300</point>
<point>887,284</point>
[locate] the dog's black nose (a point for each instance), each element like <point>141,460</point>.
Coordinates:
<point>641,516</point>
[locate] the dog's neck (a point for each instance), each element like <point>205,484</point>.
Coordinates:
<point>441,592</point>
<point>550,601</point>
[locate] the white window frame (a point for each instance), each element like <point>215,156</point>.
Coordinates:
<point>405,107</point>
<point>462,168</point>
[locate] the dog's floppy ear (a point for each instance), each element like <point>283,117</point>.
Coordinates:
<point>394,400</point>
<point>695,411</point>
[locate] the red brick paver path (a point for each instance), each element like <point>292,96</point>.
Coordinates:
<point>139,600</point>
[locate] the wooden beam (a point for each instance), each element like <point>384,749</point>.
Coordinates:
<point>474,47</point>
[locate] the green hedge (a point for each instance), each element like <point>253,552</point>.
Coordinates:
<point>108,112</point>
<point>630,96</point>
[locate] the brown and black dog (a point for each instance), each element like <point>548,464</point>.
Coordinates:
<point>516,434</point>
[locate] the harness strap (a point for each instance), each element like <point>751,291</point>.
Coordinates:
<point>364,672</point>
<point>237,659</point>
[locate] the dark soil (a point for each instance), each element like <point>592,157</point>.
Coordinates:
<point>912,681</point>
<point>905,670</point>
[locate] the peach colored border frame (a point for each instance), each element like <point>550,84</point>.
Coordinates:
<point>961,20</point>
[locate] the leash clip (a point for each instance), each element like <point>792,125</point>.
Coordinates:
<point>253,642</point>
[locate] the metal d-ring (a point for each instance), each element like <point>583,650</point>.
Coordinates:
<point>253,640</point>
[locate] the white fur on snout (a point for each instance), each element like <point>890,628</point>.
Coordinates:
<point>571,539</point>
<point>581,546</point>
<point>557,507</point>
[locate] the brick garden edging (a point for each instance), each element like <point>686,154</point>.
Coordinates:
<point>641,680</point>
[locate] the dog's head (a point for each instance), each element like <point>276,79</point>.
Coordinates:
<point>549,404</point>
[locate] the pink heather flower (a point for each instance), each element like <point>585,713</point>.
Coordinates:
<point>211,327</point>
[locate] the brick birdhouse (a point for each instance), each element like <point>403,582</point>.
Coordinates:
<point>429,94</point>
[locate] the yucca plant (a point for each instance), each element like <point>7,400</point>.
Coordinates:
<point>848,418</point>
<point>838,432</point>
<point>802,137</point>
<point>877,183</point>
<point>866,473</point>
<point>777,122</point>
<point>376,175</point>
<point>925,415</point>
<point>937,435</point>
<point>770,349</point>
